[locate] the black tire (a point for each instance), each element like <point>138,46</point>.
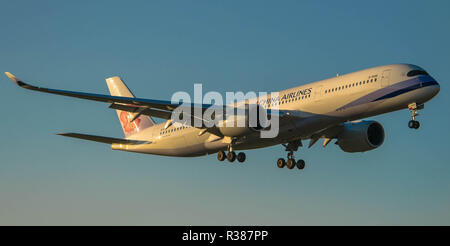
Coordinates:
<point>241,157</point>
<point>290,163</point>
<point>221,155</point>
<point>300,164</point>
<point>416,125</point>
<point>231,156</point>
<point>411,124</point>
<point>281,163</point>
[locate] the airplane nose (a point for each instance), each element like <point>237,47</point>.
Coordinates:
<point>437,88</point>
<point>431,88</point>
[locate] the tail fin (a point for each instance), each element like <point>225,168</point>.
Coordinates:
<point>118,88</point>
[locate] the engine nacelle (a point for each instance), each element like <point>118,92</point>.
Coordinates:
<point>237,125</point>
<point>361,136</point>
<point>231,128</point>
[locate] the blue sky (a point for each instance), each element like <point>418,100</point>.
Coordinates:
<point>160,47</point>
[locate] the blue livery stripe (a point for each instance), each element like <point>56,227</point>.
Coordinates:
<point>407,89</point>
<point>393,91</point>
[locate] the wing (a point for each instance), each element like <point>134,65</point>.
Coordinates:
<point>157,108</point>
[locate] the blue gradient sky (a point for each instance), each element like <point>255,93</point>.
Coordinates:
<point>160,47</point>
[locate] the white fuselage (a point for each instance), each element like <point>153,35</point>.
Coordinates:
<point>320,105</point>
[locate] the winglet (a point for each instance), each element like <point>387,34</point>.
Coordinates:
<point>15,79</point>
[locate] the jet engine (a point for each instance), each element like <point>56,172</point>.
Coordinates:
<point>250,120</point>
<point>361,136</point>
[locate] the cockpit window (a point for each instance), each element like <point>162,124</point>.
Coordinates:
<point>416,72</point>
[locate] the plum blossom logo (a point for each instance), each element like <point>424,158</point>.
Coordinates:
<point>125,119</point>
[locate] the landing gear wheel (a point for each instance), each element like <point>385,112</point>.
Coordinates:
<point>241,157</point>
<point>413,124</point>
<point>281,163</point>
<point>290,163</point>
<point>300,164</point>
<point>231,156</point>
<point>414,108</point>
<point>221,155</point>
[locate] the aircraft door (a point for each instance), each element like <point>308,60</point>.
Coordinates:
<point>385,78</point>
<point>318,93</point>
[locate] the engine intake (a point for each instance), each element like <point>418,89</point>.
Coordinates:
<point>361,136</point>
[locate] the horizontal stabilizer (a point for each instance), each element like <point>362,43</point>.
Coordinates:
<point>101,139</point>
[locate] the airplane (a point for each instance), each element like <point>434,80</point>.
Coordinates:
<point>327,109</point>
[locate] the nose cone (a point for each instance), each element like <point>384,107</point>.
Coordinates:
<point>436,88</point>
<point>430,88</point>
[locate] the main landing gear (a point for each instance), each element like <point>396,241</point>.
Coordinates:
<point>231,156</point>
<point>291,163</point>
<point>414,108</point>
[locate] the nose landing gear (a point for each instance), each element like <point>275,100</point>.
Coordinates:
<point>414,108</point>
<point>413,124</point>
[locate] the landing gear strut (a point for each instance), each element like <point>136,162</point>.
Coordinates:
<point>290,163</point>
<point>414,108</point>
